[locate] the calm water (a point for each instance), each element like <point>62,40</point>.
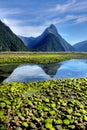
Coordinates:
<point>31,72</point>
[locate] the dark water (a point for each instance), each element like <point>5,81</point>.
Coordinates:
<point>6,70</point>
<point>76,68</point>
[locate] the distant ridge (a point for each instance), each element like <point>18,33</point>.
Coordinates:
<point>49,40</point>
<point>9,41</point>
<point>81,46</point>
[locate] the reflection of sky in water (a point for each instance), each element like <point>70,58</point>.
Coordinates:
<point>72,69</point>
<point>27,73</point>
<point>67,69</point>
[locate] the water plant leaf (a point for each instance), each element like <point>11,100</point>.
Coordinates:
<point>85,118</point>
<point>25,124</point>
<point>58,122</point>
<point>48,126</point>
<point>46,100</point>
<point>52,112</point>
<point>66,121</point>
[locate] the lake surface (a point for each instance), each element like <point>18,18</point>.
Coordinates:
<point>75,68</point>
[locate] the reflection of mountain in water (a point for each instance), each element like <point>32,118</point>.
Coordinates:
<point>27,73</point>
<point>67,69</point>
<point>51,69</point>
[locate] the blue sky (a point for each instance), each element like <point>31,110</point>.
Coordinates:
<point>31,17</point>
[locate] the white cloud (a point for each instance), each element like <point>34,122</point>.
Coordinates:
<point>73,11</point>
<point>67,19</point>
<point>81,19</point>
<point>76,18</point>
<point>64,19</point>
<point>28,30</point>
<point>17,28</point>
<point>71,6</point>
<point>65,7</point>
<point>11,22</point>
<point>4,12</point>
<point>53,21</point>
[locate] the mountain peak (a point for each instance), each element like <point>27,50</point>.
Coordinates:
<point>52,26</point>
<point>51,29</point>
<point>49,40</point>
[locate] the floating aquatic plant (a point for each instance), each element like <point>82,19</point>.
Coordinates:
<point>53,105</point>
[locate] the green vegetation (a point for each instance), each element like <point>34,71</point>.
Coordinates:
<point>41,58</point>
<point>53,105</point>
<point>49,105</point>
<point>9,41</point>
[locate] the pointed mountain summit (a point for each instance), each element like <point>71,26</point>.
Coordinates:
<point>49,40</point>
<point>9,41</point>
<point>51,29</point>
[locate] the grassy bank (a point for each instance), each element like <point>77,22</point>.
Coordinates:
<point>46,58</point>
<point>51,105</point>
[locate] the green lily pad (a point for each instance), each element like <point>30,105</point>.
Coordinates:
<point>45,108</point>
<point>83,111</point>
<point>52,112</point>
<point>69,110</point>
<point>85,118</point>
<point>29,102</point>
<point>2,104</point>
<point>69,117</point>
<point>53,105</point>
<point>58,122</point>
<point>48,126</point>
<point>66,122</point>
<point>25,124</point>
<point>7,102</point>
<point>46,100</point>
<point>48,120</point>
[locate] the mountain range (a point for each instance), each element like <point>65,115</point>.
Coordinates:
<point>49,40</point>
<point>81,46</point>
<point>9,41</point>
